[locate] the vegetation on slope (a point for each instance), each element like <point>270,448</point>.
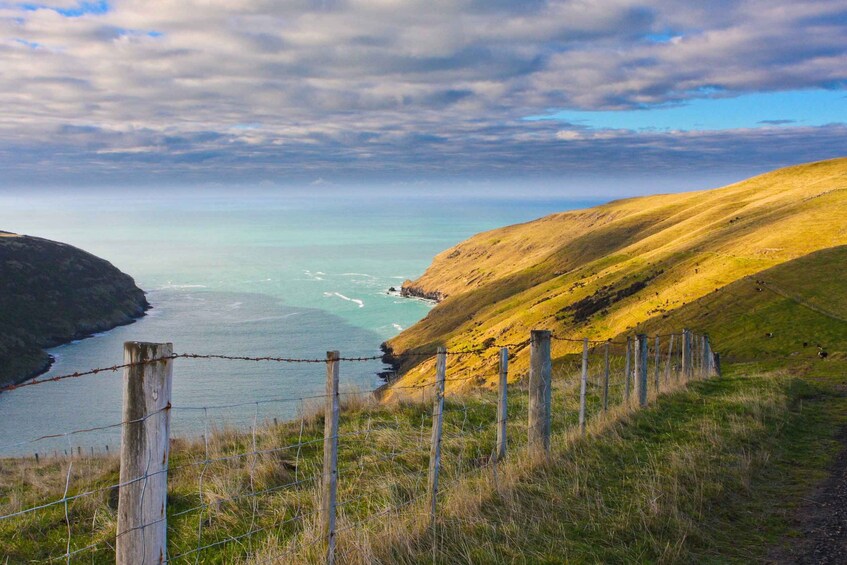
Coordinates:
<point>52,293</point>
<point>796,311</point>
<point>601,272</point>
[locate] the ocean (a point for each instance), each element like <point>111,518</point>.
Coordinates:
<point>247,272</point>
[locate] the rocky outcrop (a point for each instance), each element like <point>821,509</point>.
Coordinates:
<point>409,290</point>
<point>52,293</point>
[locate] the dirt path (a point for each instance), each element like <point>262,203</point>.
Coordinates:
<point>822,521</point>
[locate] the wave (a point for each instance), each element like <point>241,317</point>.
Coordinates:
<point>398,327</point>
<point>361,303</point>
<point>357,275</point>
<point>170,286</point>
<point>265,318</point>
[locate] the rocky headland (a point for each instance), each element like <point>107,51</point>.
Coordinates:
<point>52,293</point>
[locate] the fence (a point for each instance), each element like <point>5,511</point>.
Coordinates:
<point>292,488</point>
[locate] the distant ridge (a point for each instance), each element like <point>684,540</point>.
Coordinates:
<point>607,270</point>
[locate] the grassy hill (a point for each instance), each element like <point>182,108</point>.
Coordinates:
<point>52,293</point>
<point>604,271</point>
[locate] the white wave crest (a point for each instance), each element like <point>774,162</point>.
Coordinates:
<point>361,303</point>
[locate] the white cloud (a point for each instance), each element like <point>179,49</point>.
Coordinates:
<point>357,79</point>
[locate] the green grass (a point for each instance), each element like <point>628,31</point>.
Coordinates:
<point>781,314</point>
<point>709,473</point>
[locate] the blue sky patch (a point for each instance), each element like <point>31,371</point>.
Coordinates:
<point>81,9</point>
<point>30,44</point>
<point>774,109</point>
<point>84,8</point>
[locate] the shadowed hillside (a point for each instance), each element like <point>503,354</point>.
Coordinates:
<point>601,272</point>
<point>52,293</point>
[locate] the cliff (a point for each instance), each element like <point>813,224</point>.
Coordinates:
<point>52,293</point>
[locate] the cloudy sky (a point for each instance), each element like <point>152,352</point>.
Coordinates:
<point>299,91</point>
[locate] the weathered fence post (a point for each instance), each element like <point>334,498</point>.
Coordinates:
<point>642,370</point>
<point>502,404</point>
<point>717,364</point>
<point>658,365</point>
<point>142,529</point>
<point>637,362</point>
<point>583,384</point>
<point>540,392</point>
<point>670,361</point>
<point>627,369</point>
<point>437,418</point>
<point>707,357</point>
<point>606,378</point>
<point>330,467</point>
<point>686,354</point>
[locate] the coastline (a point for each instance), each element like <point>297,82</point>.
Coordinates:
<point>408,290</point>
<point>48,360</point>
<point>389,358</point>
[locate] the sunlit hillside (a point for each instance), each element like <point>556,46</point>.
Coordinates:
<point>794,311</point>
<point>603,271</point>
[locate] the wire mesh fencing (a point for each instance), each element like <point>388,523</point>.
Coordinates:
<point>260,488</point>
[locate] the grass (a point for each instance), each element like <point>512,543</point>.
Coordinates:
<point>707,473</point>
<point>782,314</point>
<point>711,474</point>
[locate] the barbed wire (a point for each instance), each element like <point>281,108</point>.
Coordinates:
<point>297,360</point>
<point>467,445</point>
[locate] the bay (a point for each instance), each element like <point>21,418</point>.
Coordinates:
<point>246,272</point>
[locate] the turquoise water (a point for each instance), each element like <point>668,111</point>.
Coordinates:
<point>242,273</point>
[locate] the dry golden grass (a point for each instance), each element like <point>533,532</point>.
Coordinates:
<point>669,483</point>
<point>503,283</point>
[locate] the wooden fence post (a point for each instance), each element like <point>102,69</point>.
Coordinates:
<point>606,378</point>
<point>583,384</point>
<point>437,418</point>
<point>670,361</point>
<point>717,364</point>
<point>627,369</point>
<point>540,393</point>
<point>502,404</point>
<point>686,354</point>
<point>637,362</point>
<point>658,365</point>
<point>642,370</point>
<point>707,357</point>
<point>330,467</point>
<point>145,441</point>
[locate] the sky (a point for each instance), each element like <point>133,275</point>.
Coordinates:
<point>417,93</point>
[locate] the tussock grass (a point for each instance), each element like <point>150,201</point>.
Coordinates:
<point>704,475</point>
<point>689,479</point>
